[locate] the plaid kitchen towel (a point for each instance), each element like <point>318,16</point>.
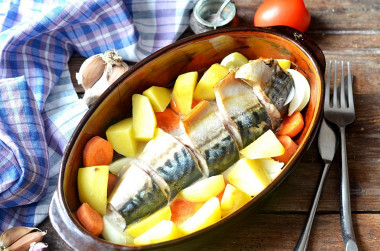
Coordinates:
<point>39,107</point>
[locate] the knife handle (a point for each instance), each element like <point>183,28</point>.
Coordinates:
<point>304,238</point>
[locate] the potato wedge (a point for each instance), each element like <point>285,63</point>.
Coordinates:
<point>159,97</point>
<point>138,228</point>
<point>92,187</point>
<point>203,190</point>
<point>183,91</point>
<point>121,136</point>
<point>144,119</point>
<point>211,77</point>
<point>266,146</point>
<point>164,231</point>
<point>248,177</point>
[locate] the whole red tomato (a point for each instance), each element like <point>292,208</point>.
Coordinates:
<point>291,13</point>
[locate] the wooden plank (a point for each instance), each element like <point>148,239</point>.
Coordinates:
<point>344,14</point>
<point>349,41</point>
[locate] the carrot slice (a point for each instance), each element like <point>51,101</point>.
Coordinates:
<point>90,219</point>
<point>167,120</point>
<point>290,148</point>
<point>292,125</point>
<point>97,152</point>
<point>182,210</point>
<point>111,183</point>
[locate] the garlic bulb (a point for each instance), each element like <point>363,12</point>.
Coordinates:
<point>98,72</point>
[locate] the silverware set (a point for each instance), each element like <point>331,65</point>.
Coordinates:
<point>338,110</point>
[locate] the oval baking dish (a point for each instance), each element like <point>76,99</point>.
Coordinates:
<point>161,68</point>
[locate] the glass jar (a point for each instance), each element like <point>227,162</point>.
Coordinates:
<point>204,8</point>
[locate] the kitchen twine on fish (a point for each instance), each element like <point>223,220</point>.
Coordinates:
<point>39,108</point>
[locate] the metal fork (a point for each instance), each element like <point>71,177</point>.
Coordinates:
<point>342,112</point>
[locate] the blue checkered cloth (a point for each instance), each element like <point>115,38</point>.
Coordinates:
<point>39,107</point>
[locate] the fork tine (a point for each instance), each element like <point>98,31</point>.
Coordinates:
<point>342,89</point>
<point>350,91</point>
<point>327,88</point>
<point>335,95</point>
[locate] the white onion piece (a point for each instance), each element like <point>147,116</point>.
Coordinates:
<point>301,92</point>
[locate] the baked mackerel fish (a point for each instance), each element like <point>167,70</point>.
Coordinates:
<point>248,103</point>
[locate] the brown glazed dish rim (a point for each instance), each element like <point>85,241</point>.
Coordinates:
<point>305,44</point>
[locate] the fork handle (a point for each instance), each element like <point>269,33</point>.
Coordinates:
<point>304,238</point>
<point>345,209</point>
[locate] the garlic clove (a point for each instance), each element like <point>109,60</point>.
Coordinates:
<point>116,72</point>
<point>91,95</point>
<point>11,235</point>
<point>23,244</point>
<point>91,71</point>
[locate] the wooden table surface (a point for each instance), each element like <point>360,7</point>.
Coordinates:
<point>345,30</point>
